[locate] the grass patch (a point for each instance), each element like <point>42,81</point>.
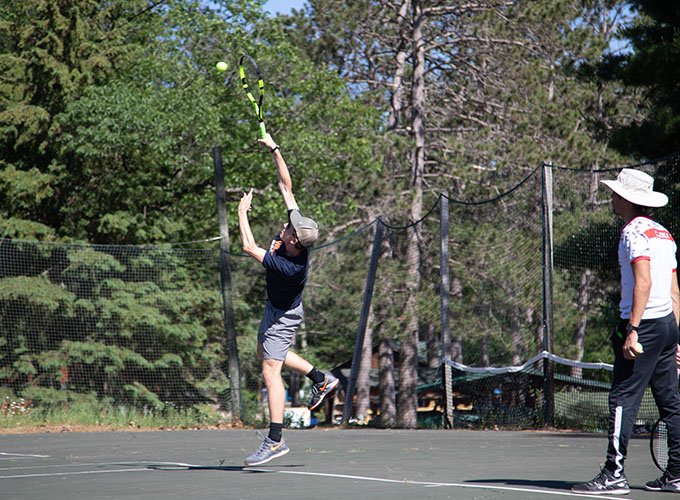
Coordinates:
<point>85,411</point>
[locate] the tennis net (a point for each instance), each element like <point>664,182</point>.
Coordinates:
<point>515,396</point>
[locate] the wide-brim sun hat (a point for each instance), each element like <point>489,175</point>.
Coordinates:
<point>637,187</point>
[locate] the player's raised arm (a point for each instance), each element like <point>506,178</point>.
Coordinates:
<point>249,244</point>
<point>285,183</point>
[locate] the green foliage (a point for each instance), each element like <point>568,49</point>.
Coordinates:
<point>651,65</point>
<point>108,116</point>
<point>109,112</point>
<point>253,409</point>
<point>50,407</point>
<point>333,297</point>
<point>649,68</point>
<point>110,320</point>
<point>126,111</point>
<point>50,52</point>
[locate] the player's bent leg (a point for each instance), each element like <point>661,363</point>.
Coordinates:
<point>320,389</point>
<point>297,363</point>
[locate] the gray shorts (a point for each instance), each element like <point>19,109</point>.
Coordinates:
<point>277,329</point>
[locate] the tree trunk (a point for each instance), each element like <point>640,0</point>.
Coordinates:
<point>457,340</point>
<point>388,406</point>
<point>586,282</point>
<point>484,350</point>
<point>408,368</point>
<point>397,80</point>
<point>364,375</point>
<point>433,346</point>
<point>584,291</point>
<point>515,336</point>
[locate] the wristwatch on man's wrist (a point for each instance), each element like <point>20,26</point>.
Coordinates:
<point>631,328</point>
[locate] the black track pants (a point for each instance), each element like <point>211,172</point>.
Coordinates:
<point>656,367</point>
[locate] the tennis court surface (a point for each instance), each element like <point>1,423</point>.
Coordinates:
<point>330,464</point>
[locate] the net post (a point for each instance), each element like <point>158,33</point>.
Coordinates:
<point>448,392</point>
<point>233,368</point>
<point>548,375</point>
<point>363,321</point>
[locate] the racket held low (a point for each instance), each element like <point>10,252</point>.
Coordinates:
<point>658,445</point>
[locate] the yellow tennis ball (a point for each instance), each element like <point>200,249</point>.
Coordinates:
<point>638,348</point>
<point>222,66</point>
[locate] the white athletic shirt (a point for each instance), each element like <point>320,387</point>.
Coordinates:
<point>642,238</point>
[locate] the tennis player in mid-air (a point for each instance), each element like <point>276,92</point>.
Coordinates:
<point>286,263</point>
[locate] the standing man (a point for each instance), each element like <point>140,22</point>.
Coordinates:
<point>650,308</point>
<point>286,265</point>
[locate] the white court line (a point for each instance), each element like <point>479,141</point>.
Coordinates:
<point>55,466</point>
<point>74,473</point>
<point>20,455</point>
<point>15,458</point>
<point>431,484</point>
<point>427,484</point>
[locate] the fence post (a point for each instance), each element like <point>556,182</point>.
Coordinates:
<point>444,285</point>
<point>363,322</point>
<point>233,369</point>
<point>548,375</point>
<point>444,300</point>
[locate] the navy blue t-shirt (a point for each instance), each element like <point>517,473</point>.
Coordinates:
<point>286,275</point>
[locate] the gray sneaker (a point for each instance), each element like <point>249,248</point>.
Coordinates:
<point>269,450</point>
<point>320,391</point>
<point>605,483</point>
<point>664,483</point>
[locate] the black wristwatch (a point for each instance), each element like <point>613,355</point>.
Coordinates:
<point>631,328</point>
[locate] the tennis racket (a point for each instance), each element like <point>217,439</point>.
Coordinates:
<point>248,68</point>
<point>658,445</point>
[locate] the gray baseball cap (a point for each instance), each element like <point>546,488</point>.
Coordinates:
<point>306,229</point>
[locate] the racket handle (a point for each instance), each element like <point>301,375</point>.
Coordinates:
<point>263,130</point>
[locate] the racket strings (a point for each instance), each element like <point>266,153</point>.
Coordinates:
<point>248,67</point>
<point>659,445</point>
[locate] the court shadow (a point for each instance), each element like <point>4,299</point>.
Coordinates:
<point>548,484</point>
<point>226,468</point>
<point>552,484</point>
<point>197,467</point>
